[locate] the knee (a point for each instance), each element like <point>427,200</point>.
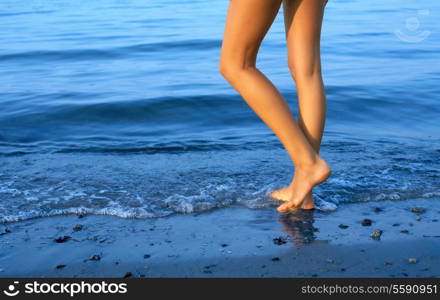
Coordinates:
<point>231,69</point>
<point>301,72</point>
<point>224,68</point>
<point>228,69</point>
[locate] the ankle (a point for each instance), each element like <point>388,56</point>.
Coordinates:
<point>307,163</point>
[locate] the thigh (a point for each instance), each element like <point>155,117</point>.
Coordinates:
<point>247,22</point>
<point>303,22</point>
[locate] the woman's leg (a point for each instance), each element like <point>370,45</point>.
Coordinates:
<point>246,25</point>
<point>303,21</point>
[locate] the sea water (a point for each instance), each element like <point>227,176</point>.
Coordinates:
<point>117,107</point>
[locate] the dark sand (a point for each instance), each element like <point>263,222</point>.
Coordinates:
<point>231,242</point>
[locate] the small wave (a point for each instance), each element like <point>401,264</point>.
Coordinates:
<point>33,12</point>
<point>156,109</point>
<point>123,52</point>
<point>129,126</point>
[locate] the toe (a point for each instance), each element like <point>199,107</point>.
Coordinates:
<point>281,208</point>
<point>276,195</point>
<point>273,194</point>
<point>279,195</point>
<point>285,207</point>
<point>288,206</point>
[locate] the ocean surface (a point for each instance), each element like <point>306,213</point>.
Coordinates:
<point>117,107</point>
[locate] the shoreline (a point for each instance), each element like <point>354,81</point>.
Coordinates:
<point>231,242</point>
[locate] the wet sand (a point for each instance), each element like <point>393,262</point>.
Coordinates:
<point>231,242</point>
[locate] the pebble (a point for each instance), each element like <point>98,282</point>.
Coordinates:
<point>62,239</point>
<point>280,240</point>
<point>95,257</point>
<point>404,231</point>
<point>418,218</point>
<point>209,267</point>
<point>342,226</point>
<point>412,260</point>
<point>60,266</point>
<point>417,210</point>
<point>367,222</point>
<point>376,234</point>
<point>147,256</point>
<point>6,230</point>
<point>275,259</point>
<point>377,209</point>
<point>77,227</point>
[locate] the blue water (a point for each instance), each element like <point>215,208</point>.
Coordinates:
<point>118,107</point>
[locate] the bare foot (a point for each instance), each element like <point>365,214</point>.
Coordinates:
<point>284,195</point>
<point>303,182</point>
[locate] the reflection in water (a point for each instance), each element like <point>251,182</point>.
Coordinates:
<point>298,225</point>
